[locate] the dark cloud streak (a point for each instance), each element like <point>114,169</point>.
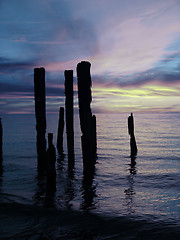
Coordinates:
<point>9,65</point>
<point>23,90</point>
<point>146,77</point>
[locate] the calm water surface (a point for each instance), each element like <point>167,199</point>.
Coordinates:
<point>145,197</point>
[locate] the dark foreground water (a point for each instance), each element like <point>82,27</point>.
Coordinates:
<point>119,201</point>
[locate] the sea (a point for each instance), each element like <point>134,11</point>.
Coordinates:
<point>121,200</point>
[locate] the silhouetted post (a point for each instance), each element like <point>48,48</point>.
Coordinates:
<point>60,130</point>
<point>132,137</point>
<point>51,160</point>
<point>69,115</point>
<point>87,122</point>
<point>1,142</point>
<point>51,156</point>
<point>40,112</point>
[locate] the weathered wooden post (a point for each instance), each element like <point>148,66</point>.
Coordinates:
<point>51,161</point>
<point>87,122</point>
<point>69,115</point>
<point>60,130</point>
<point>40,112</point>
<point>133,145</point>
<point>1,142</point>
<point>51,156</point>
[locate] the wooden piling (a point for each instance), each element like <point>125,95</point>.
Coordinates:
<point>1,142</point>
<point>60,130</point>
<point>40,113</point>
<point>69,115</point>
<point>133,145</point>
<point>51,156</point>
<point>87,122</point>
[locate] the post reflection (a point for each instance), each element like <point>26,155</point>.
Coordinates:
<point>130,192</point>
<point>132,168</point>
<point>50,191</point>
<point>60,159</point>
<point>69,190</point>
<point>45,191</point>
<point>88,190</point>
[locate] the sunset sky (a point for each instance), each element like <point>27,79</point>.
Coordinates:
<point>133,47</point>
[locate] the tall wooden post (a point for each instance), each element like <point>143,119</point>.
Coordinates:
<point>40,112</point>
<point>60,130</point>
<point>69,115</point>
<point>87,122</point>
<point>1,142</point>
<point>133,145</point>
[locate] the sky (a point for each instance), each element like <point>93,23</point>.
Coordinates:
<point>132,45</point>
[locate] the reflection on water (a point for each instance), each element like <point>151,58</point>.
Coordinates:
<point>133,166</point>
<point>45,193</point>
<point>50,191</point>
<point>130,192</point>
<point>46,190</point>
<point>88,190</point>
<point>69,188</point>
<point>60,160</point>
<point>151,186</point>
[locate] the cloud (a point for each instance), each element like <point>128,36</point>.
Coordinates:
<point>45,31</point>
<point>166,71</point>
<point>15,88</point>
<point>171,57</point>
<point>17,79</point>
<point>9,65</point>
<point>130,44</point>
<point>139,79</point>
